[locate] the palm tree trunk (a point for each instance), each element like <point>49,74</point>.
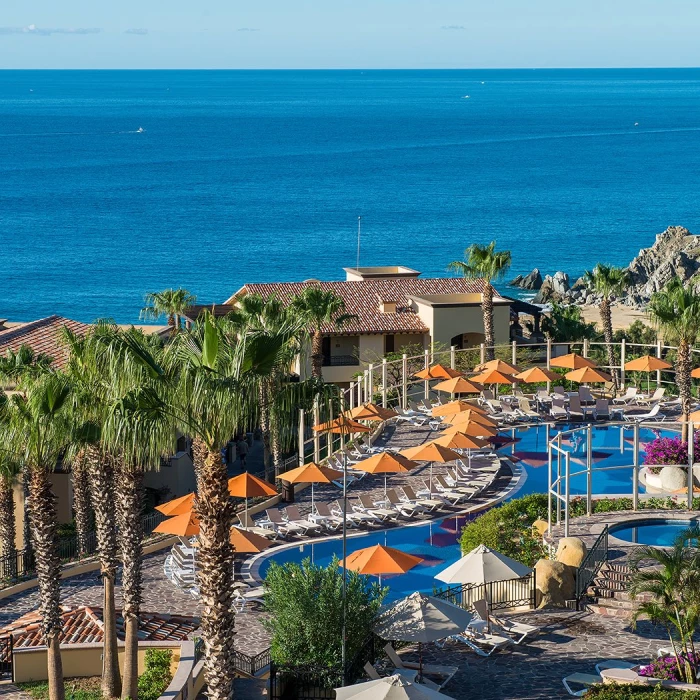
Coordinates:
<point>275,451</point>
<point>81,501</point>
<point>606,321</point>
<point>215,575</point>
<point>44,531</point>
<point>264,407</point>
<point>684,366</point>
<point>7,516</point>
<point>317,354</point>
<point>487,309</point>
<point>100,472</point>
<point>129,513</point>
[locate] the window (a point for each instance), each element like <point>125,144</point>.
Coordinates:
<point>389,343</point>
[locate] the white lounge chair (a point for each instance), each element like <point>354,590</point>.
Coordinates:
<point>367,505</point>
<point>558,410</point>
<point>277,523</point>
<point>602,409</point>
<point>408,510</point>
<point>584,679</point>
<point>518,631</point>
<point>430,504</point>
<point>613,663</point>
<point>445,672</point>
<point>450,497</point>
<point>575,409</point>
<point>526,410</point>
<point>356,517</point>
<point>654,398</point>
<point>655,415</point>
<point>241,599</point>
<point>629,397</point>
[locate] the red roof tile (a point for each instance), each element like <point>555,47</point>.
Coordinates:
<point>362,299</point>
<point>84,625</point>
<point>43,336</point>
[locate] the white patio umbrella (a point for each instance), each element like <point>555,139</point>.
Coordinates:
<point>421,618</point>
<point>390,688</point>
<point>483,565</point>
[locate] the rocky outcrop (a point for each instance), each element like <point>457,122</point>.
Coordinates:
<point>555,583</point>
<point>532,280</point>
<point>571,551</point>
<point>554,288</point>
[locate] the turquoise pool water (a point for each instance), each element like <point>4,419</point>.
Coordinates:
<point>659,533</point>
<point>436,542</point>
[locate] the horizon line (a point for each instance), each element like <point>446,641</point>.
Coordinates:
<point>287,69</point>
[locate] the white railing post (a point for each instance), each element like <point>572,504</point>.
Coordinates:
<point>352,395</point>
<point>359,391</point>
<point>404,382</point>
<point>567,465</point>
<point>589,469</point>
<point>623,357</point>
<point>301,437</point>
<point>635,462</point>
<point>549,490</point>
<point>515,353</point>
<point>426,383</point>
<point>658,371</point>
<point>482,354</point>
<point>691,461</point>
<point>549,361</point>
<point>585,347</point>
<point>317,436</point>
<point>384,381</point>
<point>329,434</point>
<point>453,357</point>
<point>370,379</point>
<point>558,480</point>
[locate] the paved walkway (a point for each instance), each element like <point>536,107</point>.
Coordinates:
<point>12,692</point>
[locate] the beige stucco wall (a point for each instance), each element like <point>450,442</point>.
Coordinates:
<point>78,660</point>
<point>179,477</point>
<point>448,322</point>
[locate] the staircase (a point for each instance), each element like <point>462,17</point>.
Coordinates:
<point>607,594</point>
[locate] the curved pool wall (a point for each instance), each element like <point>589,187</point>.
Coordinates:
<point>657,532</point>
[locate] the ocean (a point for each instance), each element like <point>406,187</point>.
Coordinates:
<point>252,176</point>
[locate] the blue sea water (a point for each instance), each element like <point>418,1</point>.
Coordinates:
<point>247,176</point>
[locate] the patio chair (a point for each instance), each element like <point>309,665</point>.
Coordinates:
<point>450,497</point>
<point>518,631</point>
<point>241,599</point>
<point>630,396</point>
<point>558,410</point>
<point>295,517</point>
<point>602,409</point>
<point>558,391</point>
<point>655,414</point>
<point>509,413</point>
<point>575,409</point>
<point>408,510</point>
<point>654,398</point>
<point>613,663</point>
<point>279,524</point>
<point>430,504</point>
<point>542,397</point>
<point>526,410</point>
<point>585,396</point>
<point>323,517</point>
<point>452,485</point>
<point>425,405</point>
<point>367,505</point>
<point>247,523</point>
<point>431,669</point>
<point>485,396</point>
<point>357,517</point>
<point>584,679</point>
<point>371,672</point>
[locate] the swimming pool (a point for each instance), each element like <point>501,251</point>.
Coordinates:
<point>611,446</point>
<point>651,531</point>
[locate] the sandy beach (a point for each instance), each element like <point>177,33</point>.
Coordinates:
<point>622,316</point>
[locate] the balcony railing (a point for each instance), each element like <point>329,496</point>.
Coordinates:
<point>341,361</point>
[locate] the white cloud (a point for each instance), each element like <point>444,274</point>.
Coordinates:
<point>43,31</point>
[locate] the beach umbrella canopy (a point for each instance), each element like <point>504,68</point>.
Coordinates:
<point>438,371</point>
<point>421,618</point>
<point>460,441</point>
<point>248,486</point>
<point>498,366</point>
<point>311,473</point>
<point>493,376</point>
<point>469,417</point>
<point>459,385</point>
<point>571,361</point>
<point>430,452</point>
<point>483,565</point>
<point>457,406</point>
<point>587,375</point>
<point>470,428</point>
<point>695,374</point>
<point>379,560</point>
<point>694,417</point>
<point>537,374</point>
<point>184,525</point>
<point>246,542</point>
<point>394,687</point>
<point>647,363</point>
<point>385,463</point>
<point>371,411</point>
<point>177,506</point>
<point>342,425</point>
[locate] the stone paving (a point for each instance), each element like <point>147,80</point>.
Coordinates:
<point>570,642</point>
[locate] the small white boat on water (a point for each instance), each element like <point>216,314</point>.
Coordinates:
<point>140,130</point>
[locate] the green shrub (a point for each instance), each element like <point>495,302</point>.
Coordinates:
<point>508,529</point>
<point>76,688</point>
<point>157,676</point>
<point>305,605</point>
<point>623,692</point>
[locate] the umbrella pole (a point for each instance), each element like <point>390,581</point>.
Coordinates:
<point>345,547</point>
<point>420,662</point>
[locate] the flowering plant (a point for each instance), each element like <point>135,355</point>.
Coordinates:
<point>664,450</point>
<point>666,667</point>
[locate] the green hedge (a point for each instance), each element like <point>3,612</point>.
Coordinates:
<point>156,676</point>
<point>623,692</point>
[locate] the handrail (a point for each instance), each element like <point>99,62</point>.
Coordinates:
<point>590,566</point>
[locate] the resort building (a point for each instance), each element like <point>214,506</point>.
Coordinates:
<point>394,307</point>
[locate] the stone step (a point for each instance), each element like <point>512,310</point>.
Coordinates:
<point>610,585</point>
<point>607,611</point>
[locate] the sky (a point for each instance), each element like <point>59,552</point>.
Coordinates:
<point>349,33</point>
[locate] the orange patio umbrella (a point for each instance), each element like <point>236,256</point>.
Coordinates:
<point>459,385</point>
<point>248,486</point>
<point>341,425</point>
<point>438,371</point>
<point>245,542</point>
<point>537,374</point>
<point>386,463</point>
<point>471,428</point>
<point>177,506</point>
<point>648,364</point>
<point>457,406</point>
<point>494,376</point>
<point>695,374</point>
<point>380,560</point>
<point>311,473</point>
<point>184,525</point>
<point>694,417</point>
<point>571,361</point>
<point>430,452</point>
<point>469,416</point>
<point>498,365</point>
<point>371,411</point>
<point>460,441</point>
<point>588,375</point>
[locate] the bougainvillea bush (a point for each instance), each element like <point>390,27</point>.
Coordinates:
<point>665,450</point>
<point>666,667</point>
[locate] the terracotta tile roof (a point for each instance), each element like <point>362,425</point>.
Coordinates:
<point>84,625</point>
<point>43,336</point>
<point>362,299</point>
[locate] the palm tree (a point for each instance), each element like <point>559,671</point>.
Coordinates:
<point>674,582</point>
<point>485,263</point>
<point>172,303</point>
<point>319,308</point>
<point>607,281</point>
<point>21,363</point>
<point>39,430</point>
<point>90,377</point>
<point>9,470</point>
<point>675,311</point>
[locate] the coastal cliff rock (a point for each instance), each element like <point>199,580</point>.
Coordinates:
<point>532,280</point>
<point>553,288</point>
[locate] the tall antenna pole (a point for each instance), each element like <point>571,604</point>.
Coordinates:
<point>359,231</point>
